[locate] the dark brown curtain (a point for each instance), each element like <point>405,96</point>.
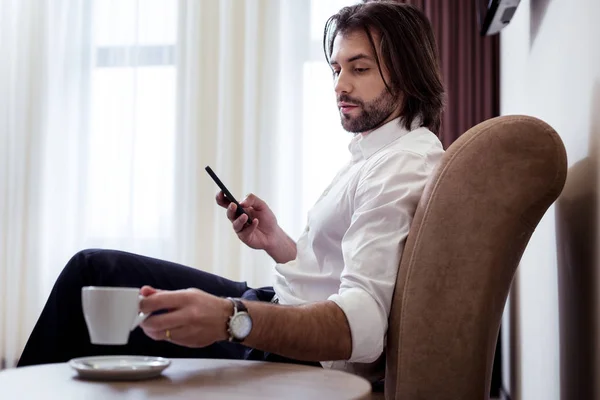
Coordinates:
<point>470,65</point>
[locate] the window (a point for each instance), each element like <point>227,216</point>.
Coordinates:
<point>325,142</point>
<point>132,138</point>
<point>132,122</point>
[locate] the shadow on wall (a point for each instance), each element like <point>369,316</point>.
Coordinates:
<point>576,220</point>
<point>537,11</point>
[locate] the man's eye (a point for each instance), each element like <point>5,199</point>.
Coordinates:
<point>360,70</point>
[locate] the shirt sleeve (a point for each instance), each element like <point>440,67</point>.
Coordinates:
<point>385,201</point>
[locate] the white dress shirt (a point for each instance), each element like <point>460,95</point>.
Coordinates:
<point>350,250</point>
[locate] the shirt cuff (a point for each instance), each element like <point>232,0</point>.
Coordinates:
<point>367,322</point>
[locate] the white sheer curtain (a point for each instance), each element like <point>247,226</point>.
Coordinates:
<point>21,121</point>
<point>240,102</point>
<point>109,112</point>
<point>111,109</point>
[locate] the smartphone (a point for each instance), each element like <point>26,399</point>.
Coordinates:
<point>239,210</point>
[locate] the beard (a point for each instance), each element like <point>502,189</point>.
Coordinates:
<point>372,115</point>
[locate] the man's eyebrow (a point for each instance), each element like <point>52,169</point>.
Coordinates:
<point>360,56</point>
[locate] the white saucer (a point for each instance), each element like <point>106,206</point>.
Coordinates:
<point>119,367</point>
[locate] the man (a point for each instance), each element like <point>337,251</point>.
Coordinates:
<point>333,288</point>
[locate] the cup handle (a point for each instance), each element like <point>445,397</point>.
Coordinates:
<point>140,317</point>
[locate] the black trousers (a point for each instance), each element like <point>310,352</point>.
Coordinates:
<point>61,333</point>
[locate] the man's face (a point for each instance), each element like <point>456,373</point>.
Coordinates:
<point>363,100</point>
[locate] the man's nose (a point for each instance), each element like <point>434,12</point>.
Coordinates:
<point>342,83</point>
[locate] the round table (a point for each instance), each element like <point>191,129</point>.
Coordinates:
<point>189,379</point>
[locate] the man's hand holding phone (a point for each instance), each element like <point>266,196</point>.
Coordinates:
<point>255,224</point>
<point>247,216</point>
<point>263,232</point>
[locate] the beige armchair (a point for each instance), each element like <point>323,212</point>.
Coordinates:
<point>472,225</point>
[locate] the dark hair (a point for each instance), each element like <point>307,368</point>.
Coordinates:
<point>408,49</point>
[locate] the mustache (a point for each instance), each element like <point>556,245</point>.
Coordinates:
<point>344,98</point>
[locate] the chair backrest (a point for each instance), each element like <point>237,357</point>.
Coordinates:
<point>470,229</point>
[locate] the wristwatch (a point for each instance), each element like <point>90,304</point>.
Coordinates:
<point>239,324</point>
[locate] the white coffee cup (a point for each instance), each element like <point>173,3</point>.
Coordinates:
<point>111,313</point>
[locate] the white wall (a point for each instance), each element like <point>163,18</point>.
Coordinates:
<point>550,68</point>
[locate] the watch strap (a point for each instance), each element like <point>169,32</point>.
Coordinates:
<point>238,307</point>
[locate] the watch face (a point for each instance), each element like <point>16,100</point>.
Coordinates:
<point>240,325</point>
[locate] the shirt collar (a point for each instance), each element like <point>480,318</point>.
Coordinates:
<point>364,146</point>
